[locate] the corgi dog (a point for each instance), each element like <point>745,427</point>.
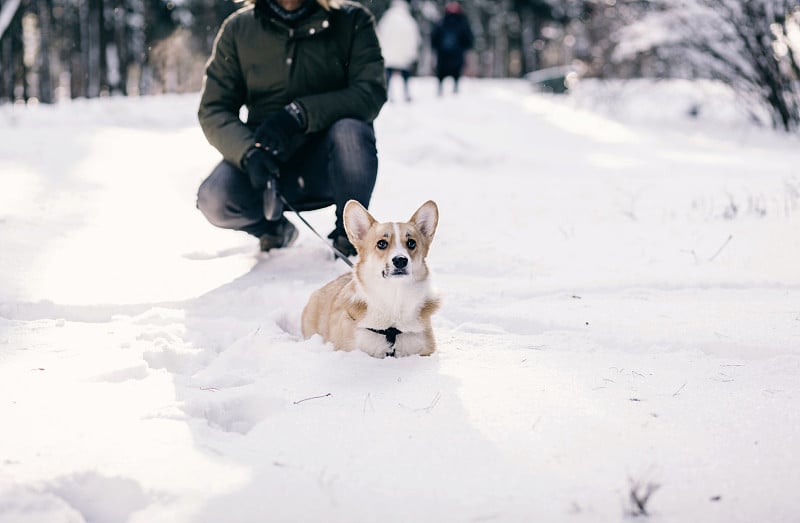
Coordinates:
<point>384,306</point>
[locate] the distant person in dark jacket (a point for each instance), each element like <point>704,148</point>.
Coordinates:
<point>311,76</point>
<point>451,39</point>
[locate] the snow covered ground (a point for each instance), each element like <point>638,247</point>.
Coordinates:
<point>621,312</point>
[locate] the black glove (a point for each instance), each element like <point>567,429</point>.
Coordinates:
<point>260,167</point>
<point>281,132</point>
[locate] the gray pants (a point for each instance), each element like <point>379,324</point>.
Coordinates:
<point>330,168</point>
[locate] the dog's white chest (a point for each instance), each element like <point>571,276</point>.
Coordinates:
<point>396,306</point>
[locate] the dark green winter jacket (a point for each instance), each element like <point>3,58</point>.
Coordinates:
<point>330,64</point>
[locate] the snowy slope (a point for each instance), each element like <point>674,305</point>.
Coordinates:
<point>621,308</point>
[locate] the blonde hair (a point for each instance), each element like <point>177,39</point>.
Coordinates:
<point>330,4</point>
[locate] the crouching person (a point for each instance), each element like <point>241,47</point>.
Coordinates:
<point>311,76</point>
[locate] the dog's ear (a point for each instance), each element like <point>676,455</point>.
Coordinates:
<point>357,221</point>
<point>426,219</point>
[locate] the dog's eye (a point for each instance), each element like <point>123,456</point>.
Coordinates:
<point>382,244</point>
<point>411,244</point>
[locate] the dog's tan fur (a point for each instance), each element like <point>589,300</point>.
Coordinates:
<point>375,295</point>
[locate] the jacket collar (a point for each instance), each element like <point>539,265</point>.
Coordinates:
<point>307,27</point>
<point>326,5</point>
<point>273,8</point>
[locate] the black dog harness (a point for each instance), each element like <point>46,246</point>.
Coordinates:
<point>391,336</point>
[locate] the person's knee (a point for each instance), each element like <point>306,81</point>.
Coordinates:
<point>353,136</point>
<point>216,194</point>
<point>211,203</point>
<point>353,155</point>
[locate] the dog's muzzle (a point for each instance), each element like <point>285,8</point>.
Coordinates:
<point>399,267</point>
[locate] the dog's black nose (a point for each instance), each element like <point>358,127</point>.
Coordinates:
<point>400,261</point>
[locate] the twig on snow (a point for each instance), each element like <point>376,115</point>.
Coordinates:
<point>368,401</point>
<point>679,390</point>
<point>536,347</point>
<point>433,403</point>
<point>730,237</point>
<point>312,398</point>
<point>696,259</point>
<point>426,409</point>
<point>639,496</point>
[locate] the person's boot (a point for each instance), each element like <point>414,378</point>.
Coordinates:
<point>341,243</point>
<point>283,234</point>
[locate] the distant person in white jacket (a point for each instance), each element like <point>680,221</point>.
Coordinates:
<point>400,41</point>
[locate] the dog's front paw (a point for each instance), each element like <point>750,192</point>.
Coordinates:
<point>412,344</point>
<point>373,344</point>
<point>380,352</point>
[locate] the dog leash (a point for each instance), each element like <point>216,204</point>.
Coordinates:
<point>339,254</point>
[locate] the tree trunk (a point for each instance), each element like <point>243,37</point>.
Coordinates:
<point>530,29</point>
<point>46,88</point>
<point>14,70</point>
<point>8,11</point>
<point>90,18</point>
<point>77,60</point>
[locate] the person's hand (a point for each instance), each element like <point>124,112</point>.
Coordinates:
<point>260,167</point>
<point>281,131</point>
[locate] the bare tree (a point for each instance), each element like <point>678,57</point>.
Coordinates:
<point>8,10</point>
<point>745,44</point>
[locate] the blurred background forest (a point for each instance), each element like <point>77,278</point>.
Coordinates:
<point>52,50</point>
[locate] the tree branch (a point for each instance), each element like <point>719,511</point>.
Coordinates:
<point>7,12</point>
